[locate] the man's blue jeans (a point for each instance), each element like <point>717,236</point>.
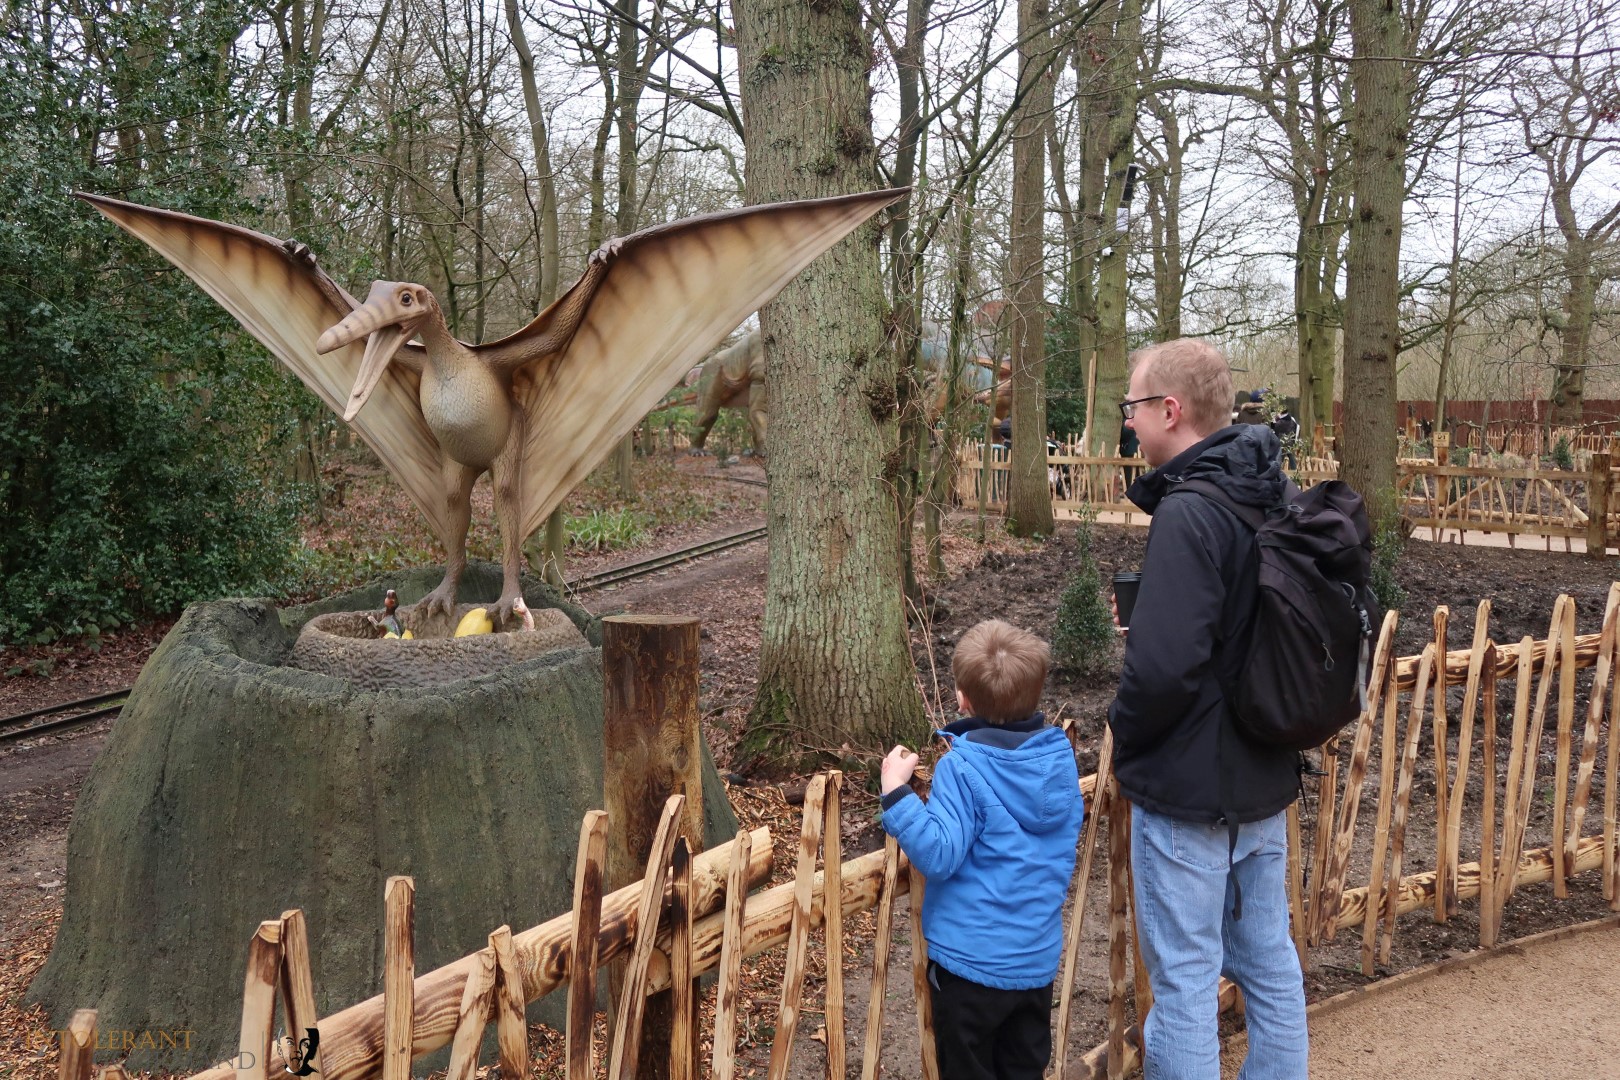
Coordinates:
<point>1189,940</point>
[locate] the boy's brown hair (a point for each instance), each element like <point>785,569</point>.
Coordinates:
<point>1001,670</point>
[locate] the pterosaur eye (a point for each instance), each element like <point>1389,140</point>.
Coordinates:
<point>406,299</point>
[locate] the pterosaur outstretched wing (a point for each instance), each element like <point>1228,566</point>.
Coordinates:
<point>285,301</point>
<point>669,296</point>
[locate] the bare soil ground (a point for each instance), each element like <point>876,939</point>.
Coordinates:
<point>1010,579</point>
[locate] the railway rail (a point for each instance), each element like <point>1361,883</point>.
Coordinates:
<point>67,715</point>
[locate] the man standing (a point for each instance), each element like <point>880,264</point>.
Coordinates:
<point>1208,821</point>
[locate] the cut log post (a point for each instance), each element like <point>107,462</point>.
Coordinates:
<point>298,987</point>
<point>798,943</point>
<point>351,1040</point>
<point>1489,912</point>
<point>79,1047</point>
<point>259,1000</point>
<point>589,865</point>
<point>399,977</point>
<point>919,976</point>
<point>1077,910</point>
<point>1566,723</point>
<point>883,941</point>
<point>731,957</point>
<point>651,750</point>
<point>1465,750</point>
<point>1403,797</point>
<point>832,846</point>
<point>477,1003</point>
<point>683,998</point>
<point>629,1032</point>
<point>1119,854</point>
<point>1442,678</point>
<point>511,1028</point>
<point>1597,507</point>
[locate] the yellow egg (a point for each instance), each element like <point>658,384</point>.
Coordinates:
<point>409,635</point>
<point>476,621</point>
<point>391,634</point>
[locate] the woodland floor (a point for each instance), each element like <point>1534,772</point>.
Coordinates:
<point>1010,579</point>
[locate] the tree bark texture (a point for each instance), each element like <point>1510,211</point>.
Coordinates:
<point>1029,499</point>
<point>835,664</point>
<point>1379,124</point>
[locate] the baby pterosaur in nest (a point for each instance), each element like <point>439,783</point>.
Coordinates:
<point>538,409</point>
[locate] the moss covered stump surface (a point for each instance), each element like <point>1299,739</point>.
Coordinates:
<point>233,788</point>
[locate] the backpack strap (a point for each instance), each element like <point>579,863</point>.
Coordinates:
<point>1252,516</point>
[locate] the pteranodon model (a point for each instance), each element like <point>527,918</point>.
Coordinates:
<point>537,409</point>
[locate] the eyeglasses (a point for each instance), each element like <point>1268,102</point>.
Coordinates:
<point>1127,409</point>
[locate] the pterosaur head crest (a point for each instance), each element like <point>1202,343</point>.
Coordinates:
<point>392,312</point>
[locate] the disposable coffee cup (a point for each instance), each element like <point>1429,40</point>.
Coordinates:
<point>1125,585</point>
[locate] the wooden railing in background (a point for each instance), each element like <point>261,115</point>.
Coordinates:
<point>1540,503</point>
<point>702,918</point>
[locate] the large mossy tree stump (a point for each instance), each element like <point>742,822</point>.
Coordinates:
<point>233,788</point>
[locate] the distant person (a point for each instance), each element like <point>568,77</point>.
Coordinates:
<point>1209,837</point>
<point>1128,445</point>
<point>996,840</point>
<point>1286,427</point>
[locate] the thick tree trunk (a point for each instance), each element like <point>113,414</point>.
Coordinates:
<point>1029,500</point>
<point>1380,121</point>
<point>1575,336</point>
<point>907,319</point>
<point>1119,75</point>
<point>835,664</point>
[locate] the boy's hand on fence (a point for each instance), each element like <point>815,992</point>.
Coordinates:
<point>897,768</point>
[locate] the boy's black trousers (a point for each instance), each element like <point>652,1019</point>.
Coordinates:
<point>981,1033</point>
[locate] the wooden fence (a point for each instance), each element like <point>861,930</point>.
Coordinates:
<point>691,915</point>
<point>1546,504</point>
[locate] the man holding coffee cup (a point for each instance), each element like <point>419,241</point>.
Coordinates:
<point>1209,807</point>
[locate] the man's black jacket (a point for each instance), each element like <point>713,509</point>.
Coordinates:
<point>1173,735</point>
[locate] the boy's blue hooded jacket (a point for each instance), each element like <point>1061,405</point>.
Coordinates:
<point>996,841</point>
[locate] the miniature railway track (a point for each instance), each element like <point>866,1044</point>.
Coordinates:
<point>45,721</point>
<point>604,578</point>
<point>49,720</point>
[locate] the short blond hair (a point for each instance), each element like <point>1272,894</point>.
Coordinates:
<point>1196,374</point>
<point>1001,670</point>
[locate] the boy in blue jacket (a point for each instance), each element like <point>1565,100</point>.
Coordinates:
<point>996,841</point>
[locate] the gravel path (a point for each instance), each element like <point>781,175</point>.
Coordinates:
<point>1543,1007</point>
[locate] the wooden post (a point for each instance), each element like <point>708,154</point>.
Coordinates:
<point>511,1025</point>
<point>880,962</point>
<point>683,1045</point>
<point>729,983</point>
<point>919,976</point>
<point>650,667</point>
<point>798,944</point>
<point>259,1001</point>
<point>297,985</point>
<point>1597,508</point>
<point>630,1028</point>
<point>1119,857</point>
<point>1442,618</point>
<point>832,858</point>
<point>588,862</point>
<point>78,1047</point>
<point>399,977</point>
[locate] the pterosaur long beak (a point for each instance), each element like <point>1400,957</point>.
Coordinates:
<point>388,322</point>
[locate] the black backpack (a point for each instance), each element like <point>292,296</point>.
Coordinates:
<point>1307,656</point>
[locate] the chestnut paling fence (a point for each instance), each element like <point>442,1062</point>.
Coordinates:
<point>1436,714</point>
<point>1544,504</point>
